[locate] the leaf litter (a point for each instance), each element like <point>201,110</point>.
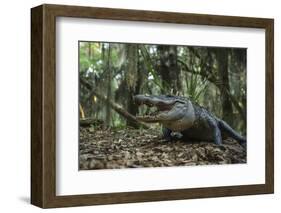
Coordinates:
<point>109,148</point>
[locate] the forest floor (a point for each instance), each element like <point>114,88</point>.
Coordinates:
<point>109,148</point>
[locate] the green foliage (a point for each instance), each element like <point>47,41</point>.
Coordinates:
<point>150,68</point>
<point>196,87</point>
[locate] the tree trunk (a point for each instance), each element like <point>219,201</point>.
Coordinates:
<point>89,50</point>
<point>109,92</point>
<point>169,69</point>
<point>82,114</point>
<point>222,55</point>
<point>131,78</point>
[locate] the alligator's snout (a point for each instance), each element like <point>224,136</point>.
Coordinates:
<point>138,99</point>
<point>143,99</point>
<point>161,101</point>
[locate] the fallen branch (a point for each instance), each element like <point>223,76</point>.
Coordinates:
<point>89,121</point>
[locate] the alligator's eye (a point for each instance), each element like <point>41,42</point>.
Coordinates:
<point>180,101</point>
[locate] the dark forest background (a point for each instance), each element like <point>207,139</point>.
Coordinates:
<point>112,73</point>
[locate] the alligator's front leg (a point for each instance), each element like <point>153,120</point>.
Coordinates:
<point>167,133</point>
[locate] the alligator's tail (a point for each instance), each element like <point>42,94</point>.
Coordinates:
<point>232,133</point>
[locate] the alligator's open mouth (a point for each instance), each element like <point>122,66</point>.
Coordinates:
<point>152,110</point>
<point>152,107</point>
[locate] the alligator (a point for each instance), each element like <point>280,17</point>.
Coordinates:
<point>192,121</point>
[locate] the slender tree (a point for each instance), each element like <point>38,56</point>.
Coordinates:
<point>168,68</point>
<point>222,56</point>
<point>109,89</point>
<point>131,79</point>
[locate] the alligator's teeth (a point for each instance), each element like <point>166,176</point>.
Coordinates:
<point>154,113</point>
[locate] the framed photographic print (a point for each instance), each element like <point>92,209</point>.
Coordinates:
<point>136,106</point>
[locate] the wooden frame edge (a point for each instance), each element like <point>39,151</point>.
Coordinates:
<point>36,106</point>
<point>269,69</point>
<point>43,104</point>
